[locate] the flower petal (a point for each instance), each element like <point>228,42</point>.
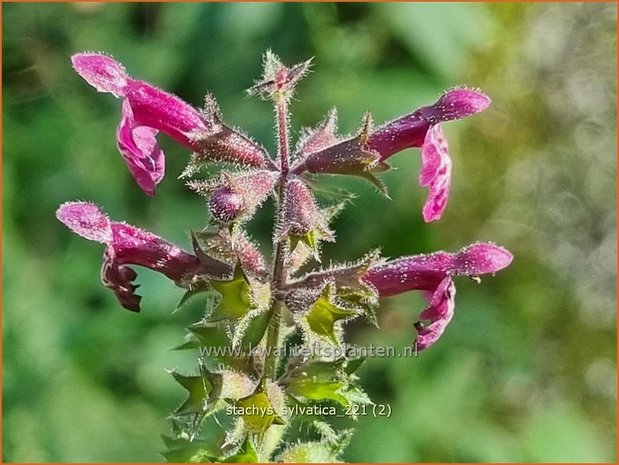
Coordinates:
<point>481,258</point>
<point>102,72</point>
<point>418,272</point>
<point>435,173</point>
<point>87,220</point>
<point>120,280</point>
<point>424,272</point>
<point>128,245</point>
<point>439,311</point>
<point>139,148</point>
<point>459,103</point>
<point>166,112</point>
<point>134,246</point>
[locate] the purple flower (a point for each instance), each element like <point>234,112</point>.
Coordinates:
<point>432,273</point>
<point>367,152</point>
<point>146,110</point>
<point>128,245</point>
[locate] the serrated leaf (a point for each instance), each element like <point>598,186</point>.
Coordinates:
<point>355,395</point>
<point>324,313</point>
<point>213,338</point>
<point>255,330</point>
<point>312,390</point>
<point>185,451</point>
<point>188,295</point>
<point>319,138</point>
<point>380,186</point>
<point>191,344</point>
<point>363,299</point>
<point>183,447</point>
<point>325,380</point>
<point>310,240</point>
<point>309,452</point>
<point>353,365</point>
<point>246,454</point>
<point>199,389</point>
<point>209,335</point>
<point>236,299</point>
<point>258,412</point>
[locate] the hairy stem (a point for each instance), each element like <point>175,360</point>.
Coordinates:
<point>279,272</point>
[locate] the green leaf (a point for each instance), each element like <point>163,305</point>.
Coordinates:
<point>325,380</point>
<point>188,295</point>
<point>199,388</point>
<point>309,452</point>
<point>236,300</point>
<point>257,412</point>
<point>362,298</point>
<point>182,447</point>
<point>217,351</point>
<point>353,365</point>
<point>312,390</point>
<point>185,451</point>
<point>324,313</point>
<point>246,454</point>
<point>318,380</point>
<point>310,239</point>
<point>254,331</point>
<point>209,335</point>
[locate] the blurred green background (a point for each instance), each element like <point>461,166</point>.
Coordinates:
<point>527,369</point>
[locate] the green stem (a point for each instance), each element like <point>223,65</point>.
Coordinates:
<point>281,250</point>
<point>270,365</point>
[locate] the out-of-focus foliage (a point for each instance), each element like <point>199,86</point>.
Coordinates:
<point>527,369</point>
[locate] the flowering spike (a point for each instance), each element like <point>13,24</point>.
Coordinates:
<point>461,102</point>
<point>254,309</point>
<point>232,248</point>
<point>225,204</point>
<point>352,156</point>
<point>481,258</point>
<point>410,130</point>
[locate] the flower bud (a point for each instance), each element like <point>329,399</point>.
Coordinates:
<point>302,218</point>
<point>234,196</point>
<point>225,205</point>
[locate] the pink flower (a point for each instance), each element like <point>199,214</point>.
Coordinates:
<point>367,152</point>
<point>432,273</point>
<point>128,245</point>
<point>146,110</point>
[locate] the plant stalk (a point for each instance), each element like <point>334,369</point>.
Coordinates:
<point>281,249</point>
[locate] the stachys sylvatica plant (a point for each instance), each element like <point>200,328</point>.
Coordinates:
<point>269,374</point>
